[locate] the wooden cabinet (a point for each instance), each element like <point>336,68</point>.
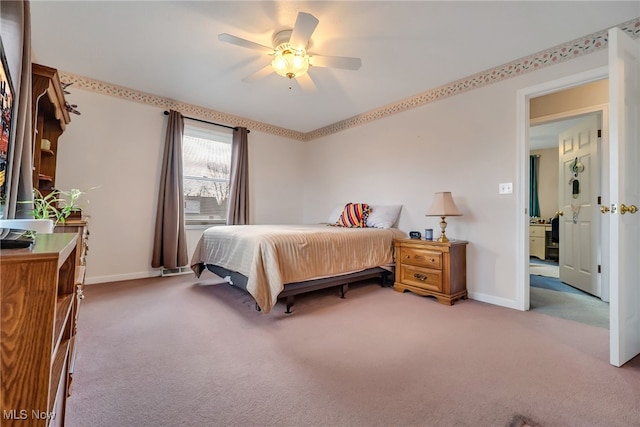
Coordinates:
<point>538,240</point>
<point>81,228</point>
<point>38,293</point>
<point>432,268</point>
<point>50,118</point>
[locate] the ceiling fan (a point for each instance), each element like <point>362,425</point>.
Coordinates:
<point>290,56</point>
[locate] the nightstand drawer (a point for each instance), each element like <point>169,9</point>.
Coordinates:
<point>421,258</point>
<point>422,277</point>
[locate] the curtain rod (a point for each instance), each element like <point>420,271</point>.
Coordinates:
<point>166,113</point>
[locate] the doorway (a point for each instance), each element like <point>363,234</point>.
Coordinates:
<point>552,291</point>
<point>620,238</point>
<point>525,111</point>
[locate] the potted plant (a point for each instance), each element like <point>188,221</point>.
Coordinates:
<point>56,205</point>
<point>68,205</point>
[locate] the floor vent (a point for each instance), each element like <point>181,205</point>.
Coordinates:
<point>176,271</point>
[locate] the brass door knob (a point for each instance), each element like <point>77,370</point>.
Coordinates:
<point>604,208</point>
<point>560,213</point>
<point>631,209</point>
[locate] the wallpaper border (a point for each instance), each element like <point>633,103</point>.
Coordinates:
<point>564,52</point>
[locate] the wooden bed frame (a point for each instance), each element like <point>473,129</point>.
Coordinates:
<point>292,289</point>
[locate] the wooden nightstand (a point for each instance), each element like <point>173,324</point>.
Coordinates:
<point>431,268</point>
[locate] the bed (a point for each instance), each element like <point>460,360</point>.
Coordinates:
<point>276,261</point>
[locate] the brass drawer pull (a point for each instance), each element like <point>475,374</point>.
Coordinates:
<point>421,258</point>
<point>420,276</point>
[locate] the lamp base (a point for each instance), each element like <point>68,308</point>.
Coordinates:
<point>443,237</point>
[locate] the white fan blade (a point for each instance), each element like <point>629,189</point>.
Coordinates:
<point>228,38</point>
<point>344,62</point>
<point>306,83</point>
<point>261,73</point>
<point>305,26</point>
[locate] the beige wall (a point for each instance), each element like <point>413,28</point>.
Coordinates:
<point>116,146</point>
<point>595,93</point>
<point>548,182</point>
<point>465,144</point>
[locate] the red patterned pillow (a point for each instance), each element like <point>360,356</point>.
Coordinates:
<point>354,215</point>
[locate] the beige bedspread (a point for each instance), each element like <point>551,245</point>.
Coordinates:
<point>272,255</point>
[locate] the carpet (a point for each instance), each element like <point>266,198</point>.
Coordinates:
<point>548,295</point>
<point>166,352</point>
<point>544,270</point>
<point>581,307</point>
<point>553,284</point>
<point>522,421</point>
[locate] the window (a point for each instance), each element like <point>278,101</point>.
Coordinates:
<point>206,160</point>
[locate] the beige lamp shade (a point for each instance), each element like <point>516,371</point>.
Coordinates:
<point>443,206</point>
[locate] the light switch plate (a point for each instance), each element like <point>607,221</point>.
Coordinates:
<point>505,188</point>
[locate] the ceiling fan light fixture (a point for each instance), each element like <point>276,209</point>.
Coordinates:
<point>289,62</point>
<point>289,57</point>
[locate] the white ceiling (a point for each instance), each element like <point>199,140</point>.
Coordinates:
<point>171,49</point>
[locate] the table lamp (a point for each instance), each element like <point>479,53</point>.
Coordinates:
<point>443,206</point>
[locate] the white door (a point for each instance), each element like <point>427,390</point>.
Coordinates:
<point>579,183</point>
<point>624,222</point>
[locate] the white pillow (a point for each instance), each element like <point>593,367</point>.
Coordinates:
<point>335,213</point>
<point>383,216</point>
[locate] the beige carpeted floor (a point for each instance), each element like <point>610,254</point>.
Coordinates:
<point>175,352</point>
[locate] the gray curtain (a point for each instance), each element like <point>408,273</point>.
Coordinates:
<point>238,209</point>
<point>534,204</point>
<point>170,244</point>
<point>21,179</point>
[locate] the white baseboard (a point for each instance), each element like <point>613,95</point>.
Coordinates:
<point>140,275</point>
<point>176,271</point>
<point>120,277</point>
<point>490,299</point>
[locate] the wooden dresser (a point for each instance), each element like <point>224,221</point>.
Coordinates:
<point>38,310</point>
<point>79,226</point>
<point>431,268</point>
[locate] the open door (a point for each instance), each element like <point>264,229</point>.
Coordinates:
<point>624,221</point>
<point>579,177</point>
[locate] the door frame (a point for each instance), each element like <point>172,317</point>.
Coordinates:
<point>522,168</point>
